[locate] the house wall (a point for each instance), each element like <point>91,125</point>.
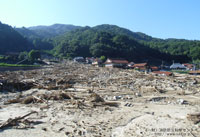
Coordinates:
<point>108,65</point>
<point>115,65</point>
<point>108,60</point>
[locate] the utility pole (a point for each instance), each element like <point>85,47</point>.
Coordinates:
<point>162,65</point>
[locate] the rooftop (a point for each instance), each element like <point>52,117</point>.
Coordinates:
<point>140,65</point>
<point>118,61</point>
<point>167,73</point>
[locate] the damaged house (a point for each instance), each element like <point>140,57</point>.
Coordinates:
<point>177,66</point>
<point>142,67</point>
<point>116,63</point>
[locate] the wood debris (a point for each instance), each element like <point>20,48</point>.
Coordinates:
<point>195,118</point>
<point>15,121</point>
<point>94,101</point>
<point>40,98</point>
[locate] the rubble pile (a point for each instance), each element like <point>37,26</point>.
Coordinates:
<point>72,99</point>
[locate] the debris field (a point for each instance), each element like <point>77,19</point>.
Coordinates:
<point>72,100</point>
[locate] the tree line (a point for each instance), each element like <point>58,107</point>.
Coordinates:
<point>103,40</point>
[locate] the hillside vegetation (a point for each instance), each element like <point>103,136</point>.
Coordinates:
<point>96,42</point>
<point>175,47</point>
<point>12,41</point>
<point>69,41</point>
<point>53,30</point>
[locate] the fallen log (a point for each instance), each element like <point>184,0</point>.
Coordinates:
<point>13,122</point>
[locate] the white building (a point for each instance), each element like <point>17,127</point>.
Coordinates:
<point>177,66</point>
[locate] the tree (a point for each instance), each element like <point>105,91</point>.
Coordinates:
<point>22,55</point>
<point>12,41</point>
<point>44,44</point>
<point>195,53</point>
<point>100,49</point>
<point>103,58</point>
<point>34,55</point>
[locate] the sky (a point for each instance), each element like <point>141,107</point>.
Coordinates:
<point>157,18</point>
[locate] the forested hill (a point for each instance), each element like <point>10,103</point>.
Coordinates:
<point>182,47</point>
<point>123,31</point>
<point>53,30</point>
<point>190,48</point>
<point>96,42</point>
<point>46,31</point>
<point>40,35</point>
<point>27,33</point>
<point>12,41</point>
<point>107,40</point>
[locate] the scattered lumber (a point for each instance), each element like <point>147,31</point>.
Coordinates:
<point>96,98</point>
<point>41,98</point>
<point>14,122</point>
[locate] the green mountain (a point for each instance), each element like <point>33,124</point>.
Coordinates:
<point>70,41</point>
<point>40,36</point>
<point>189,48</point>
<point>45,31</point>
<point>12,41</point>
<point>98,42</point>
<point>27,33</point>
<point>53,30</point>
<point>175,47</point>
<point>123,31</point>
